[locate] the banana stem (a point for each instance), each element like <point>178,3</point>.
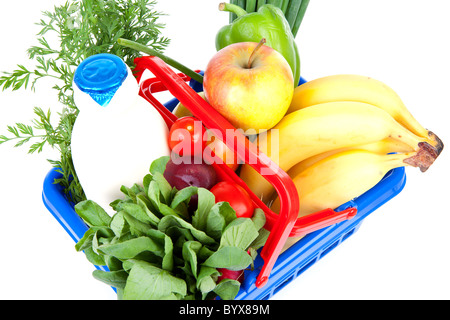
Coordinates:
<point>395,160</point>
<point>423,158</point>
<point>140,47</point>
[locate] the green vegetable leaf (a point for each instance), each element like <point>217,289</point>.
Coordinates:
<point>159,165</point>
<point>164,187</point>
<point>147,282</point>
<point>154,253</point>
<point>220,215</point>
<point>205,280</point>
<point>227,289</point>
<point>184,195</point>
<point>136,211</point>
<point>232,258</point>
<point>86,241</point>
<point>118,224</point>
<point>189,252</point>
<point>173,221</point>
<point>94,258</point>
<point>259,218</point>
<point>93,214</point>
<point>116,279</point>
<point>131,248</point>
<point>239,233</point>
<point>206,201</point>
<point>145,203</point>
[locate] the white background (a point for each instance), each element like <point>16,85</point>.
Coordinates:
<point>401,250</point>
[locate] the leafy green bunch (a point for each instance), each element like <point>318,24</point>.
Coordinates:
<point>83,28</point>
<point>154,250</point>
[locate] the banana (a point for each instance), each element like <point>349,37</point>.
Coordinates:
<point>350,87</point>
<point>328,126</point>
<point>384,146</point>
<point>341,177</point>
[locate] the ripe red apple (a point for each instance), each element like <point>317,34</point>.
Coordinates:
<point>250,84</point>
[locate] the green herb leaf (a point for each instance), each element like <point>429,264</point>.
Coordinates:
<point>70,33</point>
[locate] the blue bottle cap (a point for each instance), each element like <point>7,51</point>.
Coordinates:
<point>100,76</point>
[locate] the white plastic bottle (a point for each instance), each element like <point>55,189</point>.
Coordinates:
<point>117,133</point>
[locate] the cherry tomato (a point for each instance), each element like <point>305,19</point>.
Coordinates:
<point>238,198</point>
<point>186,137</point>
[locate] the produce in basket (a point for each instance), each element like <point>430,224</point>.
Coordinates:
<point>269,23</point>
<point>353,87</point>
<point>337,129</point>
<point>155,250</point>
<point>341,177</point>
<point>333,125</point>
<point>293,10</point>
<point>250,84</point>
<point>335,113</point>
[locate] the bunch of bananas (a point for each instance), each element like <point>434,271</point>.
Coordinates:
<point>340,136</point>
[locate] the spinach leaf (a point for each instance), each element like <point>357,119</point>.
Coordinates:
<point>189,252</point>
<point>184,195</point>
<point>227,289</point>
<point>93,214</point>
<point>232,258</point>
<point>145,203</point>
<point>219,216</point>
<point>118,224</point>
<point>131,248</point>
<point>159,165</point>
<point>173,221</point>
<point>147,282</point>
<point>164,187</point>
<point>206,201</point>
<point>116,279</point>
<point>205,280</point>
<point>155,251</point>
<point>239,233</point>
<point>94,258</point>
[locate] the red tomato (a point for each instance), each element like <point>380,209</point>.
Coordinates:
<point>186,137</point>
<point>238,198</point>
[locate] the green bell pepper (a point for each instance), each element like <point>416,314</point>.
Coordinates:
<point>268,22</point>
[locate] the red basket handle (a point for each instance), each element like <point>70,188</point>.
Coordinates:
<point>289,203</point>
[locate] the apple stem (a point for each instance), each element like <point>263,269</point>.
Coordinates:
<point>252,56</point>
<point>229,7</point>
